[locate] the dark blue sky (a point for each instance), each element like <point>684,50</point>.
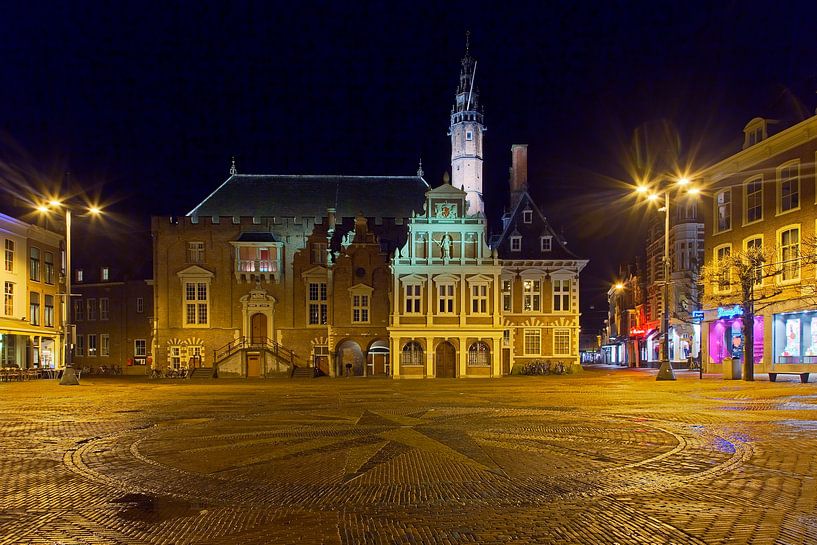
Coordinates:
<point>147,102</point>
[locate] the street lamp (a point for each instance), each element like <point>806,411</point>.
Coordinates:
<point>665,370</point>
<point>69,376</point>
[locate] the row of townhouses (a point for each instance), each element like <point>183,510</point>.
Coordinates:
<point>759,201</point>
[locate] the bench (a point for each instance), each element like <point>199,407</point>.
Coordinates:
<point>803,376</point>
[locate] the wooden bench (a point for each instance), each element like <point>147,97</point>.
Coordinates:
<point>774,369</point>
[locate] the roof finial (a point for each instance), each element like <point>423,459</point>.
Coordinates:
<point>233,170</point>
<point>446,178</point>
<point>467,42</point>
<point>420,172</point>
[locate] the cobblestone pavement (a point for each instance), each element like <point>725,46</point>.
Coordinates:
<point>602,457</point>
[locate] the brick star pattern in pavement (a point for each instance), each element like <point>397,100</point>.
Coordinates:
<point>605,457</point>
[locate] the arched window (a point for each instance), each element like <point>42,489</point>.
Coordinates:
<point>479,354</point>
<point>412,354</point>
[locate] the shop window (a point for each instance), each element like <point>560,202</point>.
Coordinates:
<point>795,337</point>
<point>726,339</point>
<point>479,354</point>
<point>533,342</point>
<point>412,354</point>
<point>754,200</point>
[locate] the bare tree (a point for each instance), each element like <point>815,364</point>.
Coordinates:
<point>750,279</point>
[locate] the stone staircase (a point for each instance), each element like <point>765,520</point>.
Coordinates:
<point>303,372</point>
<point>202,373</point>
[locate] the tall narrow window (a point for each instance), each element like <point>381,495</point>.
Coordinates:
<point>507,295</point>
<point>92,348</point>
<point>479,299</point>
<point>516,243</point>
<point>9,299</point>
<point>48,311</point>
<point>790,254</point>
<point>723,268</point>
<point>104,345</point>
<point>754,252</point>
<point>80,275</point>
<point>445,298</point>
<point>79,310</point>
<point>140,305</point>
<point>561,342</point>
<point>105,274</point>
<point>319,252</point>
<point>104,308</point>
<point>79,347</point>
<point>360,309</point>
<point>48,265</point>
<point>9,255</point>
<point>723,202</point>
<point>34,264</point>
<point>413,298</point>
<point>754,200</point>
<point>561,295</point>
<point>196,303</point>
<point>90,306</point>
<point>527,216</point>
<point>140,347</point>
<point>789,180</point>
<point>532,295</point>
<point>545,243</point>
<point>195,252</point>
<point>317,303</point>
<point>533,342</point>
<point>34,308</point>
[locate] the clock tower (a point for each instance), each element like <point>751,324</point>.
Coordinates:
<point>466,131</point>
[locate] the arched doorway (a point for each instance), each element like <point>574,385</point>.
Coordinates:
<point>378,358</point>
<point>446,360</point>
<point>258,328</point>
<point>349,359</point>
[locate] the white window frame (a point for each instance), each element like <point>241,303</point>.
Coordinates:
<point>79,310</point>
<point>317,296</point>
<point>412,298</point>
<point>726,285</point>
<point>531,295</point>
<point>561,289</point>
<point>546,243</point>
<point>507,294</point>
<point>79,275</point>
<point>9,248</point>
<point>516,243</point>
<point>527,216</point>
<point>446,298</point>
<point>140,305</point>
<point>469,135</point>
<point>562,337</point>
<point>34,261</point>
<point>361,304</point>
<point>105,274</point>
<point>192,300</point>
<point>479,354</point>
<point>90,309</point>
<point>412,353</point>
<point>758,180</point>
<point>532,342</point>
<point>746,241</point>
<point>136,344</point>
<point>479,298</point>
<point>8,303</point>
<point>92,350</point>
<point>789,164</point>
<point>782,249</point>
<point>727,205</point>
<point>104,345</point>
<point>104,308</point>
<point>79,347</point>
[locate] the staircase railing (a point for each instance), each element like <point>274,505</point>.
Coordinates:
<point>275,348</point>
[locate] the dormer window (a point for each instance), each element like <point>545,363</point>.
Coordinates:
<point>516,244</point>
<point>546,243</point>
<point>80,275</point>
<point>527,216</point>
<point>105,274</point>
<point>754,132</point>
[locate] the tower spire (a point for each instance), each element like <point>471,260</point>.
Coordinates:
<point>467,42</point>
<point>233,170</point>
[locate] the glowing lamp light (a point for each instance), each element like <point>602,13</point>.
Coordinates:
<point>94,210</point>
<point>619,286</point>
<point>683,181</point>
<point>652,197</point>
<point>641,189</point>
<point>694,191</point>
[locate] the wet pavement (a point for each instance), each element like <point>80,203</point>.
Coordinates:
<point>608,456</point>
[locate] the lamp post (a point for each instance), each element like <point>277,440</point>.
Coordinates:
<point>665,370</point>
<point>69,376</point>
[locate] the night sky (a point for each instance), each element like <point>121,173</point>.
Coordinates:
<point>145,104</point>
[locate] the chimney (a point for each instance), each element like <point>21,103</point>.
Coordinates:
<point>519,172</point>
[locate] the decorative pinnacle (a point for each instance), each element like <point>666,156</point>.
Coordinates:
<point>467,42</point>
<point>233,170</point>
<point>446,178</point>
<point>420,172</point>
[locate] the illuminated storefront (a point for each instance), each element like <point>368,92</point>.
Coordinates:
<point>726,338</point>
<point>794,337</point>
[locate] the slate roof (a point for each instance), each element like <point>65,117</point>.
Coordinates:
<point>311,195</point>
<point>530,232</point>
